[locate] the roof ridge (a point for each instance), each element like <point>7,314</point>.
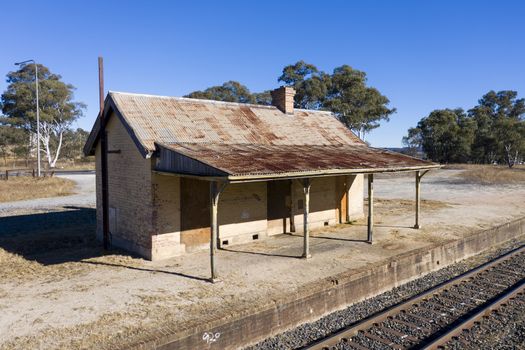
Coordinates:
<point>188,99</point>
<point>218,143</point>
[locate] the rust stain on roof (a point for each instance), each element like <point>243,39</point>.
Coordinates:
<point>250,159</point>
<point>241,139</point>
<point>189,120</point>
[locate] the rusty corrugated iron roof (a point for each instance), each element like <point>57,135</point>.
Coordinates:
<point>252,160</point>
<point>174,119</point>
<point>244,139</point>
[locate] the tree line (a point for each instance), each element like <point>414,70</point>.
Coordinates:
<point>344,92</point>
<point>491,132</point>
<point>58,111</point>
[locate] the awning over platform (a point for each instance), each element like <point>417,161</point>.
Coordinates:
<point>253,162</point>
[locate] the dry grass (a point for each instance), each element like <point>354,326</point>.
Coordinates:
<point>491,174</point>
<point>86,164</point>
<point>76,166</point>
<point>19,188</point>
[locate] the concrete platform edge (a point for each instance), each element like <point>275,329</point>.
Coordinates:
<point>328,295</point>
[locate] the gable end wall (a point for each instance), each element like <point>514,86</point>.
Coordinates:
<point>130,192</point>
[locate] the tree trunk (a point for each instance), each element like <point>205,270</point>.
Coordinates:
<point>508,157</point>
<point>45,140</point>
<point>53,164</point>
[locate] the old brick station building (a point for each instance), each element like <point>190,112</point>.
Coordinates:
<point>277,170</point>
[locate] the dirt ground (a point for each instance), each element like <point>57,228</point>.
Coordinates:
<point>58,290</point>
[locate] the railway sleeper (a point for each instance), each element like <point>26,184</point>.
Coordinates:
<point>458,303</point>
<point>384,341</point>
<point>440,315</point>
<point>382,332</point>
<point>462,299</point>
<point>413,326</point>
<point>402,336</point>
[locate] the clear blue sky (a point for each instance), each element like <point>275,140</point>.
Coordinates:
<point>422,55</point>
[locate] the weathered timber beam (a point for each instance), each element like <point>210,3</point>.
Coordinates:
<point>370,208</point>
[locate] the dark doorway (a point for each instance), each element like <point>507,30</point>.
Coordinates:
<point>195,212</point>
<point>279,206</point>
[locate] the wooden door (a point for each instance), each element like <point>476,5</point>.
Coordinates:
<point>340,198</point>
<point>195,212</point>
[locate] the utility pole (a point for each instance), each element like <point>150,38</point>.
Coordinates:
<point>104,157</point>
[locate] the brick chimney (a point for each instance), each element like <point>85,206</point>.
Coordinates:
<point>282,98</point>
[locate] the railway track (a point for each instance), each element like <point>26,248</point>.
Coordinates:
<point>439,315</point>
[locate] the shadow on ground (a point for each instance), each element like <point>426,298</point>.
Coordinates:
<point>62,235</point>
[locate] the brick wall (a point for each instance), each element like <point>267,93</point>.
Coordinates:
<point>130,195</point>
<point>355,194</point>
<point>166,239</point>
<point>324,199</point>
<point>322,203</point>
<point>242,212</point>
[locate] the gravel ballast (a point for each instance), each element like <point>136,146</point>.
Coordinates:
<point>309,332</point>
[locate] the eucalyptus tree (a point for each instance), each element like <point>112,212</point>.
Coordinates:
<point>500,134</point>
<point>58,110</point>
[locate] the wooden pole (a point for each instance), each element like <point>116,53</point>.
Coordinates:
<point>103,158</point>
<point>370,207</point>
<point>215,192</point>
<point>101,84</point>
<point>306,230</point>
<point>418,198</point>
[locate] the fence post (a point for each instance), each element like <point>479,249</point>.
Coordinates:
<point>7,174</point>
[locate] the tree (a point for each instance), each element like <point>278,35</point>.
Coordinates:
<point>510,134</point>
<point>231,91</point>
<point>492,131</point>
<point>344,92</point>
<point>500,127</point>
<point>57,108</point>
<point>74,141</point>
<point>413,141</point>
<point>359,107</point>
<point>263,98</point>
<point>309,84</point>
<point>445,135</point>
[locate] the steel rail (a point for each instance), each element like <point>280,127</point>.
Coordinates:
<point>346,334</point>
<point>472,320</point>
